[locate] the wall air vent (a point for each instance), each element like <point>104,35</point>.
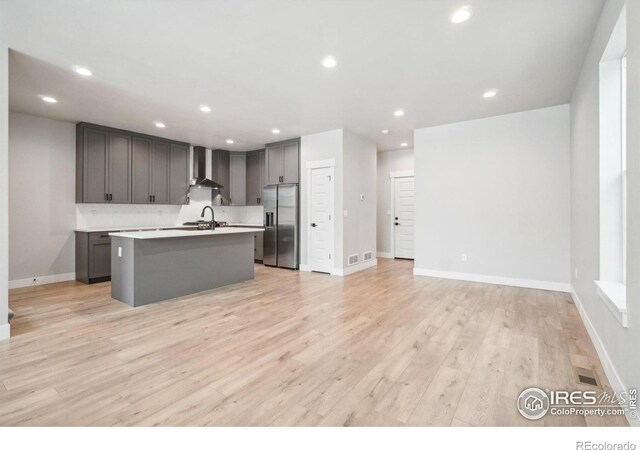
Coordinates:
<point>353,259</point>
<point>367,256</point>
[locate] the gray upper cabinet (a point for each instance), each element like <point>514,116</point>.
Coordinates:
<point>283,162</point>
<point>116,166</point>
<point>220,167</point>
<point>119,168</point>
<point>237,178</point>
<point>179,174</point>
<point>291,162</point>
<point>141,170</point>
<point>103,167</point>
<point>160,172</point>
<point>91,165</point>
<point>274,164</point>
<point>255,177</point>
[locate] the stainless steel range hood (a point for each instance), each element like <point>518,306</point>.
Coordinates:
<point>200,179</point>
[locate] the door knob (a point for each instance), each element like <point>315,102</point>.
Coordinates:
<point>314,225</point>
<point>397,224</point>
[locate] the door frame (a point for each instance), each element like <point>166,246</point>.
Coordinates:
<point>311,165</point>
<point>392,177</point>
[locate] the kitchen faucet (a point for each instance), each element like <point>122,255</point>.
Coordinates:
<point>213,216</point>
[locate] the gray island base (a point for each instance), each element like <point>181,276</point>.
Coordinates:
<point>150,266</point>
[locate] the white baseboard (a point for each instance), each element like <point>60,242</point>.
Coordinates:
<point>5,332</point>
<point>46,279</point>
<point>305,268</point>
<point>356,268</point>
<point>506,281</point>
<point>384,255</point>
<point>607,364</point>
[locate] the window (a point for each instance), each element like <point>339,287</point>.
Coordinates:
<point>611,284</point>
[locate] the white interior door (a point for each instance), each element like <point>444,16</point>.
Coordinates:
<point>404,207</point>
<point>321,225</point>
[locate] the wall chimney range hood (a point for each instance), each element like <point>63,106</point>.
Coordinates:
<point>200,179</point>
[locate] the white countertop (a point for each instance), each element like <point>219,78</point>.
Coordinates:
<point>163,227</point>
<point>160,234</point>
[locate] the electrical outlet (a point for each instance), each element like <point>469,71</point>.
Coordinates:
<point>463,257</point>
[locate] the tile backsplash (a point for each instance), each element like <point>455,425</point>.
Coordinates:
<point>91,215</point>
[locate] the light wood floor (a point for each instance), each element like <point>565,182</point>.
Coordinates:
<point>379,347</point>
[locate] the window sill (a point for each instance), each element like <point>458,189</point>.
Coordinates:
<point>614,296</point>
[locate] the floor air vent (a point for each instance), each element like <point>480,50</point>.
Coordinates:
<point>366,256</point>
<point>353,259</point>
<point>585,376</point>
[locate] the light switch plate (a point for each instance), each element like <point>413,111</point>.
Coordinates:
<point>119,252</point>
<point>346,213</point>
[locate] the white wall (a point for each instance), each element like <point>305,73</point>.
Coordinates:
<point>618,347</point>
<point>4,184</point>
<point>42,162</point>
<point>321,147</point>
<point>497,190</point>
<point>354,175</point>
<point>359,180</point>
<point>389,161</point>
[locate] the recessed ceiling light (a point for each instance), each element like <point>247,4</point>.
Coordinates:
<point>490,94</point>
<point>329,61</point>
<point>48,99</point>
<point>385,131</point>
<point>83,71</point>
<point>462,15</point>
<point>205,108</point>
<point>159,124</point>
<point>229,141</point>
<point>275,131</point>
<point>398,113</point>
<point>404,144</point>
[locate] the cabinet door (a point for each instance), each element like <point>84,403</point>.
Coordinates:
<point>100,259</point>
<point>94,176</point>
<point>141,177</point>
<point>238,178</point>
<point>257,253</point>
<point>254,177</point>
<point>160,172</point>
<point>274,164</point>
<point>223,173</point>
<point>120,168</point>
<point>179,174</point>
<point>291,157</point>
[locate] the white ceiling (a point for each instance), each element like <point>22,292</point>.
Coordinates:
<point>257,63</point>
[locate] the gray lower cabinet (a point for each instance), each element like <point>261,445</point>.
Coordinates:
<point>93,257</point>
<point>255,177</point>
<point>283,162</point>
<point>117,166</point>
<point>257,248</point>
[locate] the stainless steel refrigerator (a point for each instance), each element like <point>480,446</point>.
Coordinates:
<point>281,226</point>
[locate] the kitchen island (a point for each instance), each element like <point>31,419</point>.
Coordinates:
<point>150,266</point>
